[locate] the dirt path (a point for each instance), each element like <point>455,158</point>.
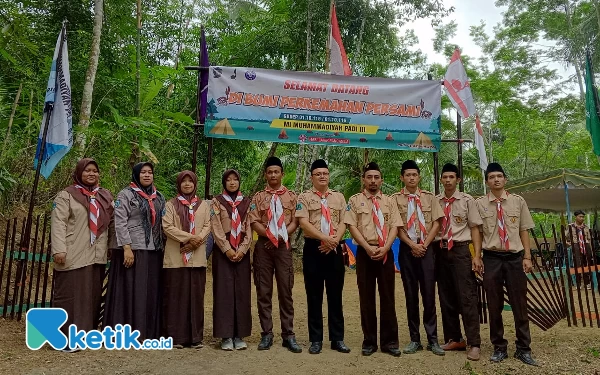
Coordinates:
<point>562,350</point>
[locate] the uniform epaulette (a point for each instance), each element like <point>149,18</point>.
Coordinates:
<point>357,194</point>
<point>480,198</point>
<point>426,192</point>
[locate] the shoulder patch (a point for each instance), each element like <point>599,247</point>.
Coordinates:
<point>252,206</point>
<point>298,206</point>
<point>348,207</point>
<point>117,203</point>
<point>163,212</point>
<point>53,205</point>
<point>212,212</point>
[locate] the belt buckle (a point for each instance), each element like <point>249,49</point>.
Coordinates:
<point>444,244</point>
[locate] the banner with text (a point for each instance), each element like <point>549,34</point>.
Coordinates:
<point>313,108</point>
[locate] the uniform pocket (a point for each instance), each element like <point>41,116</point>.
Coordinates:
<point>512,218</point>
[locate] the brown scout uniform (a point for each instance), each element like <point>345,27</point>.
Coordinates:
<point>359,214</point>
<point>419,272</point>
<point>457,286</point>
<point>505,267</point>
<point>269,261</point>
<point>232,285</point>
<point>78,282</point>
<point>580,258</point>
<point>322,269</point>
<point>184,285</point>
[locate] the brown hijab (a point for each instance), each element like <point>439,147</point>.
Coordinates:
<point>243,207</point>
<point>103,197</point>
<point>182,210</point>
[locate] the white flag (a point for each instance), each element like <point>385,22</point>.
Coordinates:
<point>458,86</point>
<point>59,139</point>
<point>338,61</point>
<point>483,162</point>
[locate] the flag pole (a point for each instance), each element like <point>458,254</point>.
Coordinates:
<point>328,44</point>
<point>461,185</point>
<point>40,159</point>
<point>436,161</point>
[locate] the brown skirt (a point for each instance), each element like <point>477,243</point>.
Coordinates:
<point>79,292</point>
<point>183,304</point>
<point>133,295</point>
<point>232,316</point>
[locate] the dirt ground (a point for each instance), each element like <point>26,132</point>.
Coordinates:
<point>562,350</point>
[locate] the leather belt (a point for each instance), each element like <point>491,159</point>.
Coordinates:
<point>444,243</point>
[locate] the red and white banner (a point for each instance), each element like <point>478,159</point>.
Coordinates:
<point>458,86</point>
<point>338,61</point>
<point>479,143</point>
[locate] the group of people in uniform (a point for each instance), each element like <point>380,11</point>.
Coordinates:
<point>157,275</point>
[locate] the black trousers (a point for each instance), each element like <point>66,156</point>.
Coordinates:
<point>419,274</point>
<point>323,271</point>
<point>506,269</point>
<point>457,291</point>
<point>368,273</point>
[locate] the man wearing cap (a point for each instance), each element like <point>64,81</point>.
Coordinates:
<point>373,221</point>
<point>421,212</point>
<point>320,214</point>
<point>272,218</point>
<point>457,286</point>
<point>577,235</point>
<point>506,261</point>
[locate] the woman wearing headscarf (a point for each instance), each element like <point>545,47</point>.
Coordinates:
<point>232,319</point>
<point>82,227</point>
<point>187,226</point>
<point>133,295</point>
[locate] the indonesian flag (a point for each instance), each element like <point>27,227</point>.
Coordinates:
<point>338,61</point>
<point>458,86</point>
<point>483,162</point>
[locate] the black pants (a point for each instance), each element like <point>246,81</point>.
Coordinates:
<point>581,260</point>
<point>457,290</point>
<point>419,274</point>
<point>368,273</point>
<point>504,269</point>
<point>323,271</point>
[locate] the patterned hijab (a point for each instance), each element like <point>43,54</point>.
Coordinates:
<point>159,204</point>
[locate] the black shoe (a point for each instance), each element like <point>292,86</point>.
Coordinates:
<point>266,342</point>
<point>498,356</point>
<point>368,350</point>
<point>525,358</point>
<point>396,352</point>
<point>413,347</point>
<point>292,345</point>
<point>315,347</point>
<point>436,349</point>
<point>340,347</point>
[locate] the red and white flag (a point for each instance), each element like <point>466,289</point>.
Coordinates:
<point>483,162</point>
<point>338,61</point>
<point>458,86</point>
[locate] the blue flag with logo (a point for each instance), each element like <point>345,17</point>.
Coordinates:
<point>59,138</point>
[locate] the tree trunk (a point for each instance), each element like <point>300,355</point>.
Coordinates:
<point>260,180</point>
<point>314,151</point>
<point>308,37</point>
<point>138,58</point>
<point>12,117</point>
<point>90,76</point>
<point>135,149</point>
<point>299,169</point>
<point>575,60</point>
